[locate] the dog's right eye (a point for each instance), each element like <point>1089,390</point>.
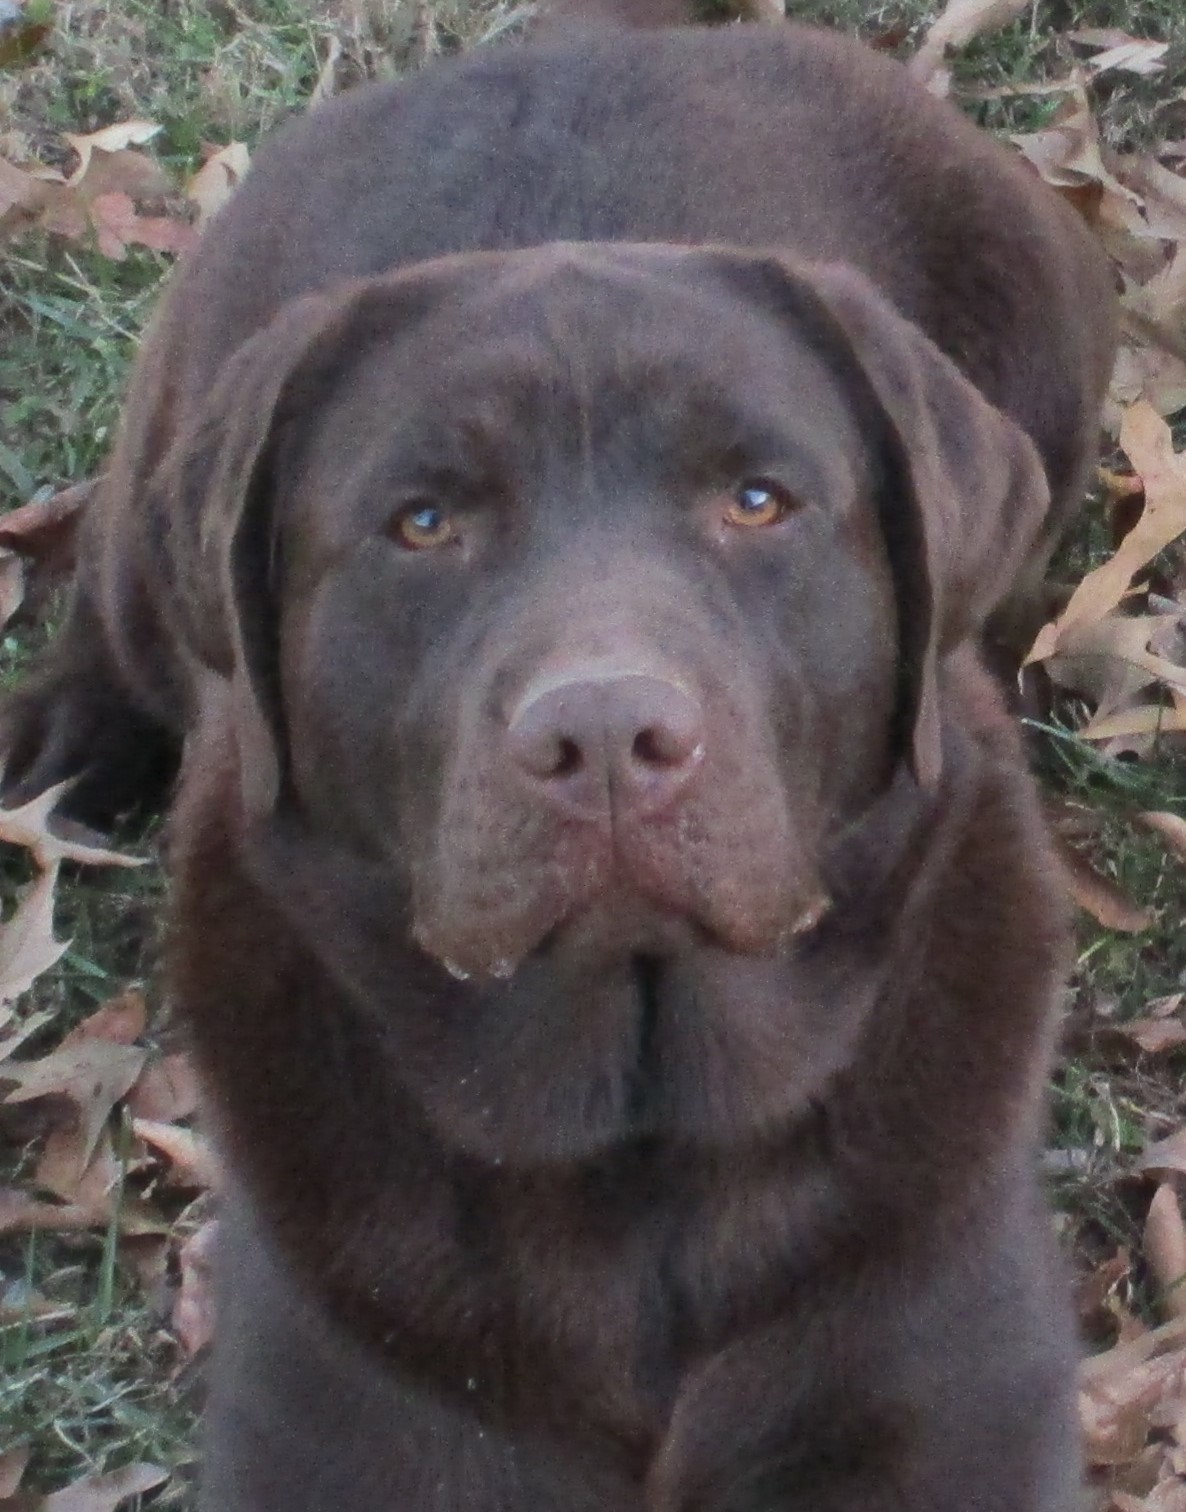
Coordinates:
<point>422,527</point>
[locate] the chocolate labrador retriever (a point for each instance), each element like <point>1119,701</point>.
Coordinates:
<point>561,503</point>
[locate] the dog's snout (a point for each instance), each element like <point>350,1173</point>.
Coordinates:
<point>632,742</point>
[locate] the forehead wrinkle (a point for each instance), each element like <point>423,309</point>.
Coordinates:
<point>568,346</point>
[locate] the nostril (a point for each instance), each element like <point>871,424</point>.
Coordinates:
<point>659,747</point>
<point>569,759</point>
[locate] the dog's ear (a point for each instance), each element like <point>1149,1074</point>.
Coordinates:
<point>214,504</point>
<point>964,493</point>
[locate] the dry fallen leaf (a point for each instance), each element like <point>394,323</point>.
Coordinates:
<point>27,944</point>
<point>193,1312</point>
<point>1117,50</point>
<point>121,1020</point>
<point>1110,660</point>
<point>12,585</point>
<point>1099,896</point>
<point>104,1493</point>
<point>185,1149</point>
<point>166,1091</point>
<point>1148,443</point>
<point>93,1074</point>
<point>217,179</point>
<point>118,226</point>
<point>1165,1250</point>
<point>28,826</point>
<point>12,1467</point>
<point>110,139</point>
<point>959,22</point>
<point>1140,720</point>
<point>22,1213</point>
<point>1155,1036</point>
<point>1166,1155</point>
<point>44,530</point>
<point>1171,828</point>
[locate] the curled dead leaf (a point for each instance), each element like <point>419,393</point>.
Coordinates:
<point>27,944</point>
<point>28,826</point>
<point>1141,720</point>
<point>193,1313</point>
<point>217,179</point>
<point>1148,443</point>
<point>1171,828</point>
<point>1165,1250</point>
<point>92,1074</point>
<point>110,139</point>
<point>44,530</point>
<point>959,23</point>
<point>12,1468</point>
<point>1166,1155</point>
<point>1098,895</point>
<point>186,1149</point>
<point>105,1493</point>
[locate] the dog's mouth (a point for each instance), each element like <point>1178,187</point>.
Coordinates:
<point>645,1078</point>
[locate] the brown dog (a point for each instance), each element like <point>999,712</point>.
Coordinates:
<point>611,912</point>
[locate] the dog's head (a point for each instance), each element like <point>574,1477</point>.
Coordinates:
<point>586,597</point>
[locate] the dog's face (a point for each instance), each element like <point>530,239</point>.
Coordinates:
<point>589,598</point>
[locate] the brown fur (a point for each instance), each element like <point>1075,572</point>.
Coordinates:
<point>619,944</point>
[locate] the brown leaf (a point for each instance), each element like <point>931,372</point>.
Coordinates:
<point>1099,896</point>
<point>1155,1036</point>
<point>23,196</point>
<point>166,1091</point>
<point>1165,1250</point>
<point>1166,1155</point>
<point>12,585</point>
<point>27,944</point>
<point>120,1021</point>
<point>21,1213</point>
<point>93,1074</point>
<point>1069,156</point>
<point>193,1313</point>
<point>1110,661</point>
<point>186,1149</point>
<point>110,139</point>
<point>44,530</point>
<point>217,179</point>
<point>12,1467</point>
<point>14,1032</point>
<point>959,22</point>
<point>1141,720</point>
<point>1148,443</point>
<point>104,1493</point>
<point>1171,828</point>
<point>28,826</point>
<point>118,226</point>
<point>1137,55</point>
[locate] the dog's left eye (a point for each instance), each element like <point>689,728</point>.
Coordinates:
<point>758,503</point>
<point>422,527</point>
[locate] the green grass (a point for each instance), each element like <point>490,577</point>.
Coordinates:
<point>103,1387</point>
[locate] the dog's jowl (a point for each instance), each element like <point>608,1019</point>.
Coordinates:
<point>560,508</point>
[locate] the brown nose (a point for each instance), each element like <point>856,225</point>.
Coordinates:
<point>630,742</point>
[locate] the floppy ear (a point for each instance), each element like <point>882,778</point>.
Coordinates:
<point>964,494</point>
<point>213,515</point>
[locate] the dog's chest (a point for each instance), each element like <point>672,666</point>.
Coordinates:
<point>643,1284</point>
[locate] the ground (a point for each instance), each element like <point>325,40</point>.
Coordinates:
<point>100,1307</point>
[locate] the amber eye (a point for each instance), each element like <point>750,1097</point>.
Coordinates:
<point>758,503</point>
<point>422,527</point>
